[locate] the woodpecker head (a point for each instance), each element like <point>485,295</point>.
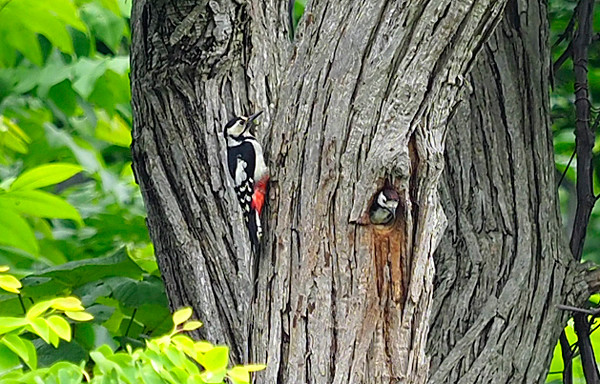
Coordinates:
<point>239,125</point>
<point>383,209</point>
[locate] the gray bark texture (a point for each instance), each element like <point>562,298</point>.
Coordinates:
<point>363,95</point>
<point>503,264</point>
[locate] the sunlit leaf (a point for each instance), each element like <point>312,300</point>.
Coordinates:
<point>79,316</point>
<point>44,175</point>
<point>182,315</point>
<point>115,130</point>
<point>105,24</point>
<point>21,348</point>
<point>67,304</point>
<point>191,325</point>
<point>39,204</point>
<point>41,328</point>
<point>13,137</point>
<point>10,283</point>
<point>15,231</point>
<point>60,326</point>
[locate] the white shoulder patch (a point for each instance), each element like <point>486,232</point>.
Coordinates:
<point>240,172</point>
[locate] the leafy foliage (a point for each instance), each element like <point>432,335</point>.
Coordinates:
<point>171,358</point>
<point>73,218</point>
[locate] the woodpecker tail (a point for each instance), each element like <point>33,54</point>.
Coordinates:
<point>254,229</point>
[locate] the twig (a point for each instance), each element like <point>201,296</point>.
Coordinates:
<point>22,303</point>
<point>130,322</point>
<point>562,58</point>
<point>567,356</point>
<point>568,30</point>
<point>566,169</point>
<point>591,312</point>
<point>588,361</point>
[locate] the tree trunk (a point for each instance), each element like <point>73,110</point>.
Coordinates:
<point>503,264</point>
<point>362,96</point>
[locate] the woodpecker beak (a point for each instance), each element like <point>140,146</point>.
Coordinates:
<point>252,117</point>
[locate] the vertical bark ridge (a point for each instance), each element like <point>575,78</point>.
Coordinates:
<point>504,242</point>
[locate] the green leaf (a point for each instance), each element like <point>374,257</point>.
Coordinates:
<point>203,346</point>
<point>39,204</point>
<point>191,325</point>
<point>9,360</point>
<point>239,375</point>
<point>79,316</point>
<point>115,131</point>
<point>15,231</point>
<point>184,344</point>
<point>39,308</point>
<point>67,304</point>
<point>77,273</point>
<point>13,137</point>
<point>44,175</point>
<point>133,293</point>
<point>143,256</point>
<point>20,347</point>
<point>181,315</point>
<point>216,359</point>
<point>60,326</point>
<point>25,41</point>
<point>254,367</point>
<point>39,20</point>
<point>40,327</point>
<point>105,24</point>
<point>10,283</point>
<point>86,72</point>
<point>8,324</point>
<point>66,11</point>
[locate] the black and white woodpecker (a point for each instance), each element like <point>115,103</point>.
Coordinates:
<point>248,170</point>
<point>383,209</point>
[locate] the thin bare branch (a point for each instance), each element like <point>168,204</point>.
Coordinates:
<point>567,357</point>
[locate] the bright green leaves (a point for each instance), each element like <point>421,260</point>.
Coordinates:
<point>23,348</point>
<point>44,176</point>
<point>23,198</point>
<point>296,15</point>
<point>113,130</point>
<point>241,374</point>
<point>45,320</point>
<point>39,204</point>
<point>12,137</point>
<point>182,315</point>
<point>8,282</point>
<point>170,358</point>
<point>106,24</point>
<point>21,20</point>
<point>16,232</point>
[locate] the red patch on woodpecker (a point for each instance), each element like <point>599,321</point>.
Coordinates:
<point>258,197</point>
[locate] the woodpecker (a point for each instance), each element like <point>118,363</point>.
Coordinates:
<point>248,170</point>
<point>383,209</point>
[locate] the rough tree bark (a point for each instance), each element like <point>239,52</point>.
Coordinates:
<point>364,94</point>
<point>503,264</point>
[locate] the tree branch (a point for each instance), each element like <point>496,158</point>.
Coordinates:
<point>584,143</point>
<point>584,140</point>
<point>567,357</point>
